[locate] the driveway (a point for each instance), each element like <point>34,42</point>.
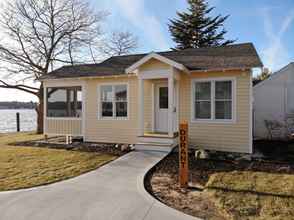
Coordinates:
<point>114,191</point>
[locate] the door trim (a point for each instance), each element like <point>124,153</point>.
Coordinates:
<point>155,102</point>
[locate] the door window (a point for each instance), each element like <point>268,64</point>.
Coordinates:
<point>163,97</point>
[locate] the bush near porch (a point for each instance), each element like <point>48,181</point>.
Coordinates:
<point>24,167</point>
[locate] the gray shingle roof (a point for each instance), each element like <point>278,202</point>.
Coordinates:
<point>223,57</point>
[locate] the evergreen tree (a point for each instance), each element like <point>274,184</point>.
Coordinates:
<point>196,28</point>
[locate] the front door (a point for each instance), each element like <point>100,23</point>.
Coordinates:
<point>161,107</point>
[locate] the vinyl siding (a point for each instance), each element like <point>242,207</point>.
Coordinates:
<point>233,137</point>
<point>64,127</point>
<point>153,64</point>
<point>111,130</point>
<point>219,136</point>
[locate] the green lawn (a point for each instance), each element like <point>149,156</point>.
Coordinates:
<point>24,167</point>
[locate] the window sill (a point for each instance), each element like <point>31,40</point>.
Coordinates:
<point>63,118</point>
<point>213,121</point>
<point>113,118</point>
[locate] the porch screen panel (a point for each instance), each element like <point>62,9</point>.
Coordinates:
<point>64,102</point>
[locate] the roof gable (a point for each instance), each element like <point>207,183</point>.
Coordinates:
<point>156,56</point>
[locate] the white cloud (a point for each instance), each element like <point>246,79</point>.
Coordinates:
<point>276,54</point>
<point>135,12</point>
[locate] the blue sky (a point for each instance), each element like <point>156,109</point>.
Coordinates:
<point>269,24</point>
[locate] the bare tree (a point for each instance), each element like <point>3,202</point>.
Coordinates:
<point>120,43</point>
<point>40,35</point>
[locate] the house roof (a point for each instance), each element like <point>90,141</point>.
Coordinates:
<point>222,57</point>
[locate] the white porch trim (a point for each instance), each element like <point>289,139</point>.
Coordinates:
<point>141,106</point>
<point>173,87</point>
<point>171,105</point>
<point>161,58</point>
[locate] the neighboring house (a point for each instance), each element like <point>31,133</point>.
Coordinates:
<point>142,98</point>
<point>274,105</point>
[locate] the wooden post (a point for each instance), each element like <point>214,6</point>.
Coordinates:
<point>183,155</point>
<point>17,122</point>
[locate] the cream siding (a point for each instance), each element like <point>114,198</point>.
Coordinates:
<point>217,135</point>
<point>111,130</point>
<point>153,64</point>
<point>64,126</point>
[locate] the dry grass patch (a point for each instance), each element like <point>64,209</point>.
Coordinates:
<point>256,182</point>
<point>236,205</point>
<point>239,190</point>
<point>24,167</point>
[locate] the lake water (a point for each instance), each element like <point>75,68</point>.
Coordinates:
<point>28,120</point>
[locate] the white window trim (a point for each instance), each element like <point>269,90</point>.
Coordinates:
<point>100,117</point>
<point>212,119</point>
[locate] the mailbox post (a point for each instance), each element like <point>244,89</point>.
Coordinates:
<point>183,155</point>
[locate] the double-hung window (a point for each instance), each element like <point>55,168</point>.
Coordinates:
<point>114,101</point>
<point>213,100</point>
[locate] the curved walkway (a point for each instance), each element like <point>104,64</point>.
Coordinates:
<point>114,191</point>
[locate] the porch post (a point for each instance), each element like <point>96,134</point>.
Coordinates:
<point>141,107</point>
<point>170,105</point>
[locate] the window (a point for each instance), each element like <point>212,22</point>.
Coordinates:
<point>163,97</point>
<point>64,102</point>
<point>114,101</point>
<point>213,100</point>
<point>223,100</point>
<point>203,100</point>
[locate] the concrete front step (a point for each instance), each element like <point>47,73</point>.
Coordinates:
<point>154,144</point>
<point>141,147</point>
<point>156,140</point>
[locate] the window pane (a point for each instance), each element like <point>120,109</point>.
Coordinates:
<point>121,109</point>
<point>223,110</point>
<point>107,109</point>
<point>163,97</point>
<point>202,91</point>
<point>203,110</point>
<point>56,102</point>
<point>223,90</point>
<point>79,102</point>
<point>75,99</point>
<point>121,93</point>
<point>106,93</point>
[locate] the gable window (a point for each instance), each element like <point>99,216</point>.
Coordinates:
<point>213,100</point>
<point>113,99</point>
<point>64,102</point>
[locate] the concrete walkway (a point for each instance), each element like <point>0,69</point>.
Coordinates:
<point>114,191</point>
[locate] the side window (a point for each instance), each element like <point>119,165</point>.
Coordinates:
<point>202,100</point>
<point>223,100</point>
<point>114,101</point>
<point>213,100</point>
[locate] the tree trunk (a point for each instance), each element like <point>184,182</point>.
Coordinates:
<point>40,111</point>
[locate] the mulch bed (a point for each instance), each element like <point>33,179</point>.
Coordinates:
<point>77,145</point>
<point>277,150</point>
<point>162,182</point>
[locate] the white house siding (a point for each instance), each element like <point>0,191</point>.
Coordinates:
<point>274,101</point>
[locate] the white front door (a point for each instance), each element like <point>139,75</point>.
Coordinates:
<point>161,107</point>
